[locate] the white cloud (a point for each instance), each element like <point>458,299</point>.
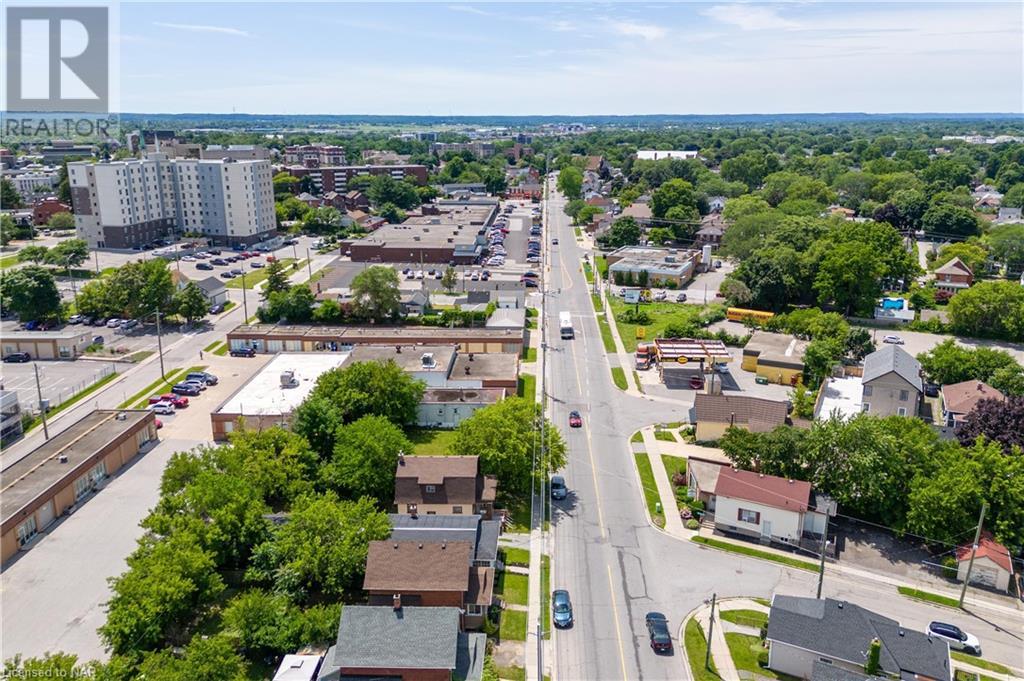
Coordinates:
<point>632,28</point>
<point>200,28</point>
<point>749,17</point>
<point>469,9</point>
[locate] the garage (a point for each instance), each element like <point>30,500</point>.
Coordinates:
<point>992,567</point>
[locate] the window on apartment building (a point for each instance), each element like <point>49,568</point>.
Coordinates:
<point>745,516</point>
<point>904,395</point>
<point>867,391</point>
<point>430,489</point>
<point>27,531</point>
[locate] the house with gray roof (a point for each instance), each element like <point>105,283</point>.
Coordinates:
<point>482,535</point>
<point>407,644</point>
<point>214,289</point>
<point>891,384</point>
<point>803,632</point>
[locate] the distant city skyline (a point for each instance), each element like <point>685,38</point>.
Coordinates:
<point>569,59</point>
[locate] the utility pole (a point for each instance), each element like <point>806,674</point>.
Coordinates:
<point>711,631</point>
<point>974,550</point>
<point>245,305</point>
<point>39,394</point>
<point>160,345</point>
<point>821,563</point>
<point>309,263</point>
<point>96,259</point>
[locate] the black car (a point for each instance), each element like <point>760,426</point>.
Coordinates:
<point>204,266</point>
<point>185,389</point>
<point>657,629</point>
<point>213,251</point>
<point>217,309</point>
<point>242,352</point>
<point>19,357</point>
<point>204,376</point>
<point>931,390</point>
<point>219,261</point>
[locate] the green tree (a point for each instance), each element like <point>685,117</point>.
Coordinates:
<point>949,362</point>
<point>284,185</point>
<point>385,189</point>
<point>34,254</point>
<point>317,419</point>
<point>586,214</point>
<point>31,293</point>
<point>989,309</point>
<point>94,298</point>
<point>69,252</point>
<point>321,551</point>
<point>392,213</point>
<point>294,305</point>
<point>504,435</point>
<point>972,255</point>
<point>9,196</point>
<point>61,221</point>
<point>276,281</point>
<point>205,658</point>
<point>948,221</point>
<point>323,220</point>
<point>570,182</point>
<point>743,206</point>
<point>623,232</point>
<point>450,279</point>
<point>260,622</point>
<point>848,277</point>
<point>820,356</point>
<point>1007,244</point>
<point>138,289</point>
<point>375,294</point>
<point>365,456</point>
<point>190,302</point>
<point>572,208</point>
<point>673,193</point>
<point>1014,196</point>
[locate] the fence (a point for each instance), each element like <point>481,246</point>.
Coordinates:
<point>60,395</point>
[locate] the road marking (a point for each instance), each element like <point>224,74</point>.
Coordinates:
<point>618,631</point>
<point>590,451</point>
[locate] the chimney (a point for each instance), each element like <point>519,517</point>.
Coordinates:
<point>396,602</point>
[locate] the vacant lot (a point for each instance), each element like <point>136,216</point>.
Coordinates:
<point>662,315</point>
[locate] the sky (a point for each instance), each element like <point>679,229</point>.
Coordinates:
<point>442,58</point>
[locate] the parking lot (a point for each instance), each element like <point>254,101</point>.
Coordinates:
<point>59,380</point>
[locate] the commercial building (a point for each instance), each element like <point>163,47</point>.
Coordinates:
<point>478,149</point>
<point>55,153</point>
<point>60,474</point>
<point>336,178</point>
<point>314,155</point>
<point>46,208</point>
<point>123,204</point>
<point>427,243</point>
<point>32,183</point>
<point>663,266</point>
<point>10,417</point>
<point>268,398</point>
<point>774,356</point>
<point>235,152</point>
<point>63,344</point>
<point>273,338</point>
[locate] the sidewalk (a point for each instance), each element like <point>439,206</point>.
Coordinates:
<point>720,655</point>
<point>673,523</point>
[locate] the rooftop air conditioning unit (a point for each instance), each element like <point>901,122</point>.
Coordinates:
<point>288,379</point>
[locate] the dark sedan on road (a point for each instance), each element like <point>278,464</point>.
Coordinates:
<point>558,489</point>
<point>561,608</point>
<point>657,629</point>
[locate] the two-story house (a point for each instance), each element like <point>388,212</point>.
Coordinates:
<point>432,574</point>
<point>481,534</point>
<point>443,484</point>
<point>891,384</point>
<point>953,276</point>
<point>960,399</point>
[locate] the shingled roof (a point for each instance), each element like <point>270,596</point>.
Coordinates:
<point>893,359</point>
<point>961,398</point>
<point>417,566</point>
<point>381,637</point>
<point>790,495</point>
<point>756,413</point>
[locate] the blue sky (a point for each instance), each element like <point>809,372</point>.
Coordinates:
<point>570,58</point>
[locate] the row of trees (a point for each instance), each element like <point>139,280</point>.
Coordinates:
<point>9,230</point>
<point>375,298</point>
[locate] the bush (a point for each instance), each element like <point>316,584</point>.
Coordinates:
<point>949,567</point>
<point>696,505</point>
<point>634,316</point>
<point>692,524</point>
<point>678,479</point>
<point>762,659</point>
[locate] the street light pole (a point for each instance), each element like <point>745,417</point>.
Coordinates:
<point>160,346</point>
<point>711,632</point>
<point>821,563</point>
<point>309,262</point>
<point>245,306</point>
<point>74,290</point>
<point>39,394</point>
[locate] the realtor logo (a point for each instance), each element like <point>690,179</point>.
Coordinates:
<point>58,59</point>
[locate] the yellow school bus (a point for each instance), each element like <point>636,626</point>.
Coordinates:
<point>738,314</point>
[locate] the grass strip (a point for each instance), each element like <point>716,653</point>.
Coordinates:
<point>77,397</point>
<point>545,593</point>
<point>212,345</point>
<point>754,553</point>
<point>512,673</point>
<point>528,387</point>
<point>529,354</point>
<point>744,650</point>
<point>513,555</point>
<point>639,385</point>
<point>588,272</point>
<point>256,276</point>
<point>928,596</point>
<point>650,488</point>
<point>664,435</point>
<point>696,649</point>
<point>637,437</point>
<point>978,662</point>
<point>619,378</point>
<point>606,334</point>
<point>749,618</point>
<point>513,625</point>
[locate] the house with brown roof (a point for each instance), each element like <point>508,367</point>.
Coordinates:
<point>953,276</point>
<point>430,574</point>
<point>992,564</point>
<point>960,399</point>
<point>443,484</point>
<point>769,508</point>
<point>714,414</point>
<point>641,212</point>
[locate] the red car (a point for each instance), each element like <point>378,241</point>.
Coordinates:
<point>575,420</point>
<point>179,401</point>
<point>159,423</point>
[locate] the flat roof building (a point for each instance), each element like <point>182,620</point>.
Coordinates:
<point>335,178</point>
<point>61,473</point>
<point>664,266</point>
<point>427,242</point>
<point>63,344</point>
<point>275,338</point>
<point>775,356</point>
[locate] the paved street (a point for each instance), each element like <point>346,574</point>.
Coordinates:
<point>615,565</point>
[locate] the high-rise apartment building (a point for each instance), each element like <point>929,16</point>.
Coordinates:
<point>314,155</point>
<point>123,204</point>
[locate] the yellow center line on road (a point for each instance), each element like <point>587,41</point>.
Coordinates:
<point>618,630</point>
<point>590,450</point>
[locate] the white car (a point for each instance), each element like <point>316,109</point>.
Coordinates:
<point>956,637</point>
<point>162,408</point>
<point>189,258</point>
<point>892,340</point>
<point>113,323</point>
<point>419,274</point>
<point>661,295</point>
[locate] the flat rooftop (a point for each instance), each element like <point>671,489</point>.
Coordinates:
<point>466,214</point>
<point>486,366</point>
<point>776,346</point>
<point>439,232</point>
<point>357,333</point>
<point>841,396</point>
<point>41,469</point>
<point>454,395</point>
<point>421,358</point>
<point>263,395</point>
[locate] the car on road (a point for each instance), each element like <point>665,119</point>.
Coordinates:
<point>162,408</point>
<point>561,608</point>
<point>558,488</point>
<point>575,420</point>
<point>18,357</point>
<point>554,242</point>
<point>204,266</point>
<point>205,376</point>
<point>657,630</point>
<point>892,339</point>
<point>957,638</point>
<point>242,352</point>
<point>681,298</point>
<point>185,389</point>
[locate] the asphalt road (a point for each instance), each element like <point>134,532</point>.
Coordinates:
<point>616,566</point>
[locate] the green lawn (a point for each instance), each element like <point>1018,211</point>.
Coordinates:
<point>595,300</point>
<point>602,266</point>
<point>696,649</point>
<point>529,354</point>
<point>673,464</point>
<point>744,650</point>
<point>754,553</point>
<point>528,387</point>
<point>662,314</point>
<point>606,334</point>
<point>636,378</point>
<point>750,618</point>
<point>588,272</point>
<point>512,586</point>
<point>637,437</point>
<point>978,662</point>
<point>619,378</point>
<point>254,277</point>
<point>8,261</point>
<point>513,625</point>
<point>643,465</point>
<point>664,436</point>
<point>430,441</point>
<point>72,400</point>
<point>511,673</point>
<point>964,675</point>
<point>512,555</point>
<point>928,596</point>
<point>545,593</point>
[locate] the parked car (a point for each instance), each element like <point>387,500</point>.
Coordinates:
<point>661,295</point>
<point>554,242</point>
<point>18,357</point>
<point>213,251</point>
<point>162,408</point>
<point>696,382</point>
<point>179,401</point>
<point>575,420</point>
<point>219,262</point>
<point>204,376</point>
<point>892,339</point>
<point>561,608</point>
<point>238,272</point>
<point>242,352</point>
<point>129,324</point>
<point>657,630</point>
<point>201,385</point>
<point>957,638</point>
<point>256,264</point>
<point>75,319</point>
<point>681,298</point>
<point>217,309</point>
<point>558,488</point>
<point>931,390</point>
<point>189,258</point>
<point>204,266</point>
<point>185,389</point>
<point>98,340</point>
<point>114,322</point>
<point>529,283</point>
<point>227,275</point>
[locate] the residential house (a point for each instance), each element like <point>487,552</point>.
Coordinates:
<point>481,534</point>
<point>988,200</point>
<point>443,484</point>
<point>214,289</point>
<point>641,212</point>
<point>1008,216</point>
<point>992,567</point>
<point>960,399</point>
<point>298,668</point>
<point>714,414</point>
<point>433,574</point>
<point>716,204</point>
<point>310,200</point>
<point>357,200</point>
<point>891,384</point>
<point>712,228</point>
<point>414,302</point>
<point>953,276</point>
<point>803,632</point>
<point>602,202</point>
<point>598,164</point>
<point>768,508</point>
<point>44,209</point>
<point>403,644</point>
<point>335,200</point>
